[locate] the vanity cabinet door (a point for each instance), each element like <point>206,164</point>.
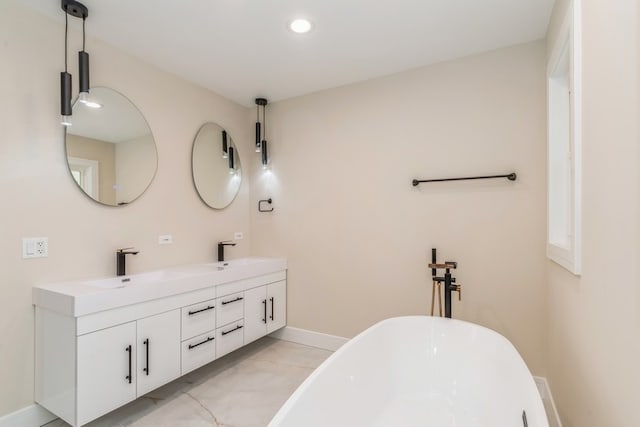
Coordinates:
<point>265,310</point>
<point>276,306</point>
<point>106,369</point>
<point>255,313</point>
<point>158,350</point>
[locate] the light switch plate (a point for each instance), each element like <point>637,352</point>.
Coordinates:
<point>35,247</point>
<point>238,235</point>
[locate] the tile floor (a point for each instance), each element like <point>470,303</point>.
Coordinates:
<point>243,389</point>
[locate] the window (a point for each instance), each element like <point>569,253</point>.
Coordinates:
<point>564,145</point>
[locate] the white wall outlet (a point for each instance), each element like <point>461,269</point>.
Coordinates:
<point>165,239</point>
<point>238,235</point>
<point>35,247</point>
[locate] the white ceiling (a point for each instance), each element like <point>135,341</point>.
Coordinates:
<point>242,48</point>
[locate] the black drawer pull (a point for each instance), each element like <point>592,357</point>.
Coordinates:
<point>271,299</point>
<point>192,346</point>
<point>209,307</point>
<point>233,300</point>
<point>264,303</point>
<point>146,343</point>
<point>129,377</point>
<point>233,330</point>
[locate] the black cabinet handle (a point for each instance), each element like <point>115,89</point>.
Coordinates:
<point>264,303</point>
<point>146,343</point>
<point>233,330</point>
<point>233,300</point>
<point>129,377</point>
<point>271,317</point>
<point>192,346</point>
<point>209,307</point>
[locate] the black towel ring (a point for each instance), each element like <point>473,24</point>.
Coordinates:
<point>260,202</point>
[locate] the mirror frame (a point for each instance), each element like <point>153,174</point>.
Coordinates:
<point>193,177</point>
<point>155,172</point>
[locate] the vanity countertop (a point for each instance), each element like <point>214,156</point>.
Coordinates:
<point>81,297</point>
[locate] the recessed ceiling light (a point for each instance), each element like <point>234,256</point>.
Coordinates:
<point>300,26</point>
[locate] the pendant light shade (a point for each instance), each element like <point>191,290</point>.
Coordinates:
<point>265,154</point>
<point>225,145</point>
<point>232,163</point>
<point>83,64</point>
<point>258,136</point>
<point>65,98</point>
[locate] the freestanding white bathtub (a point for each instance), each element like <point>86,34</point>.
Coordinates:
<point>418,371</point>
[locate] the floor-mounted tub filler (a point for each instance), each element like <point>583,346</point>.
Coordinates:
<point>419,371</point>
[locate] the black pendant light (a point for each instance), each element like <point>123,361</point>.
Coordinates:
<point>83,65</point>
<point>265,155</point>
<point>260,102</point>
<point>263,143</point>
<point>65,82</point>
<point>225,145</point>
<point>78,10</point>
<point>232,162</point>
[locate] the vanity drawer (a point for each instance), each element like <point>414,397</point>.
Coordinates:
<point>229,337</point>
<point>198,319</point>
<point>198,351</point>
<point>229,308</point>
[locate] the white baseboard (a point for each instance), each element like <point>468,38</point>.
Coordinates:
<point>545,393</point>
<point>31,416</point>
<point>310,338</point>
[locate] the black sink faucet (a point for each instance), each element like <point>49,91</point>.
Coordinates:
<point>121,254</point>
<point>221,246</point>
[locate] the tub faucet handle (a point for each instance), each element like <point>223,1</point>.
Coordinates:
<point>458,289</point>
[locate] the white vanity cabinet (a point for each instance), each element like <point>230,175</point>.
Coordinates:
<point>265,310</point>
<point>120,363</point>
<point>97,350</point>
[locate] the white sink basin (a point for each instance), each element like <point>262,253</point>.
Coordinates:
<point>235,263</point>
<point>124,281</point>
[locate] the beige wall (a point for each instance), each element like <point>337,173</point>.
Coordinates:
<point>40,199</point>
<point>594,320</point>
<point>102,152</point>
<point>358,236</point>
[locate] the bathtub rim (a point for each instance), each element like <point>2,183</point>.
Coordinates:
<point>300,390</point>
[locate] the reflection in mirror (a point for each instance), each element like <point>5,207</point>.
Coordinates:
<point>215,163</point>
<point>111,152</point>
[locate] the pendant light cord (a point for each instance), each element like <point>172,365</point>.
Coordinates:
<point>66,34</point>
<point>264,122</point>
<point>84,19</point>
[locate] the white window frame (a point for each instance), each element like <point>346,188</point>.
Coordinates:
<point>566,251</point>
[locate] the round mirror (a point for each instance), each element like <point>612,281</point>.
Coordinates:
<point>216,166</point>
<point>111,152</point>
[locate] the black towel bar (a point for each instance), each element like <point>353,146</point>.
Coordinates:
<point>511,177</point>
